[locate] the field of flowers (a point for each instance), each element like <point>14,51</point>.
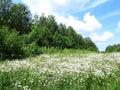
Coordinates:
<point>62,71</point>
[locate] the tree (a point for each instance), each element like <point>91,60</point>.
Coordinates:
<point>5,12</point>
<point>76,39</point>
<point>15,16</point>
<point>42,22</point>
<point>57,40</point>
<point>11,44</point>
<point>79,41</point>
<point>20,17</point>
<point>41,36</point>
<point>35,20</point>
<point>62,29</point>
<point>90,45</point>
<point>52,24</point>
<point>113,48</point>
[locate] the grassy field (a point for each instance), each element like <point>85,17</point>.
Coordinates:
<point>62,71</point>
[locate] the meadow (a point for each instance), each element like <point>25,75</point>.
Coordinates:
<point>62,71</point>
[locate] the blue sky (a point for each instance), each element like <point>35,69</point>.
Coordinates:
<point>97,19</point>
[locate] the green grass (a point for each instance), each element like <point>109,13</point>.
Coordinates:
<point>74,70</point>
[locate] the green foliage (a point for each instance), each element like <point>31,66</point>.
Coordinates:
<point>52,24</point>
<point>31,49</point>
<point>20,17</point>
<point>41,36</point>
<point>11,44</point>
<point>57,40</point>
<point>15,16</point>
<point>5,12</point>
<point>24,36</point>
<point>113,48</point>
<point>62,71</point>
<point>89,45</point>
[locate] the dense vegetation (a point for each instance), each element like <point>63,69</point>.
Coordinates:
<point>113,48</point>
<point>62,71</point>
<point>22,35</point>
<point>69,67</point>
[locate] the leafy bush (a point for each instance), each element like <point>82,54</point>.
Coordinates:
<point>11,44</point>
<point>32,49</point>
<point>113,48</point>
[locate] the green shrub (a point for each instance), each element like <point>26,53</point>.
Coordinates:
<point>11,44</point>
<point>32,49</point>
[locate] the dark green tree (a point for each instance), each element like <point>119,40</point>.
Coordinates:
<point>42,21</point>
<point>11,44</point>
<point>20,18</point>
<point>42,36</point>
<point>35,20</point>
<point>62,29</point>
<point>76,39</point>
<point>113,48</point>
<point>90,45</point>
<point>57,40</point>
<point>5,12</point>
<point>52,24</point>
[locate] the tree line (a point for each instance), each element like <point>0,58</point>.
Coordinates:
<point>22,35</point>
<point>113,48</point>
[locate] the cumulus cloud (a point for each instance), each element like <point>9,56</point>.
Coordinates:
<point>105,37</point>
<point>60,9</point>
<point>39,6</point>
<point>62,6</point>
<point>89,22</point>
<point>54,6</point>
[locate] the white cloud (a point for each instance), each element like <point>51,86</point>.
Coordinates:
<point>54,6</point>
<point>89,23</point>
<point>61,2</point>
<point>60,8</point>
<point>118,27</point>
<point>105,37</point>
<point>39,6</point>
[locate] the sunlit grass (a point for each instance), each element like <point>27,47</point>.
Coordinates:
<point>62,71</point>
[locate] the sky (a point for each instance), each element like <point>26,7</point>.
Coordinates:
<point>97,19</point>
